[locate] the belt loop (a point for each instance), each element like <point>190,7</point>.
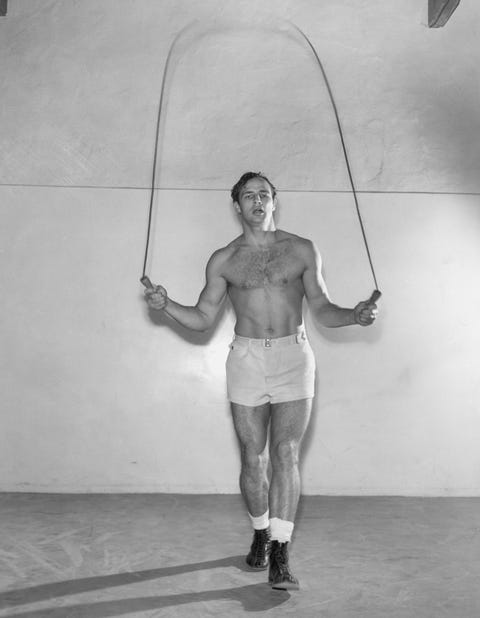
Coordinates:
<point>267,343</point>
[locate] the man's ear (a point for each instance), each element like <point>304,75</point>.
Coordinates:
<point>236,205</point>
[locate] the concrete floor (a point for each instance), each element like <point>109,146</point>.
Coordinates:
<point>65,556</point>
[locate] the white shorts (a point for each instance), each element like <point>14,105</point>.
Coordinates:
<point>270,370</point>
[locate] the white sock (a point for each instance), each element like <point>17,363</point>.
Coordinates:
<point>261,522</point>
<point>281,530</point>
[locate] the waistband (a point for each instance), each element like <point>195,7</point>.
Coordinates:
<point>274,341</point>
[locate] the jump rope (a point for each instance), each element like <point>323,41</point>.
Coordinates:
<point>144,278</point>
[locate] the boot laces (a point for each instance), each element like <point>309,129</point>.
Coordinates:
<point>260,540</point>
<point>280,555</point>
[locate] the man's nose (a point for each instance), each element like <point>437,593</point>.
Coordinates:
<point>258,199</point>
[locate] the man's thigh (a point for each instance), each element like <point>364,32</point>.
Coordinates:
<point>251,425</point>
<point>289,421</point>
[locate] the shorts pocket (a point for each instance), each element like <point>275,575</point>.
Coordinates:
<point>299,355</point>
<point>238,350</point>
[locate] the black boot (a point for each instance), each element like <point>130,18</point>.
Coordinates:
<point>279,575</point>
<point>257,558</point>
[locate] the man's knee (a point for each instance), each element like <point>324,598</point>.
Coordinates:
<point>253,461</point>
<point>285,454</point>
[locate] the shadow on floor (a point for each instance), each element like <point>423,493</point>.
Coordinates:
<point>254,597</point>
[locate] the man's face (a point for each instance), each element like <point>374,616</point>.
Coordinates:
<point>256,203</point>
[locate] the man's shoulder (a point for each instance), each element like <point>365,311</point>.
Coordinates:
<point>223,254</point>
<point>299,242</point>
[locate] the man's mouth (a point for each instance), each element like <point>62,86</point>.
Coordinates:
<point>258,211</point>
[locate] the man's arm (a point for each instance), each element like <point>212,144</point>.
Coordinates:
<point>324,311</point>
<point>203,314</point>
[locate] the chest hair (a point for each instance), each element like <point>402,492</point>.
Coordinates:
<point>255,268</point>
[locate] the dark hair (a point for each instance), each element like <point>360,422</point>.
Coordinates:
<point>235,193</point>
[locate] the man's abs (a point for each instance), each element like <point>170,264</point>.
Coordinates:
<point>268,311</point>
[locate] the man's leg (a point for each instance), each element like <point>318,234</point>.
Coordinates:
<point>289,421</point>
<point>251,426</point>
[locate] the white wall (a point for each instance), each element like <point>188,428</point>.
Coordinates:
<point>97,395</point>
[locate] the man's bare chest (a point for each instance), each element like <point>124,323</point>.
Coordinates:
<point>254,268</point>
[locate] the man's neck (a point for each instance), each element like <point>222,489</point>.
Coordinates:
<point>259,237</point>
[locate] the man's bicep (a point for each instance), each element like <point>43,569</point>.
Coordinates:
<point>315,288</point>
<point>212,295</point>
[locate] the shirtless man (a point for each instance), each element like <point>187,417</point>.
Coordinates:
<point>267,272</point>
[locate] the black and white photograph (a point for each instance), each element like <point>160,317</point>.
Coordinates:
<point>240,343</point>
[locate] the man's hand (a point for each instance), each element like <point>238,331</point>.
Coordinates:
<point>365,313</point>
<point>157,297</point>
